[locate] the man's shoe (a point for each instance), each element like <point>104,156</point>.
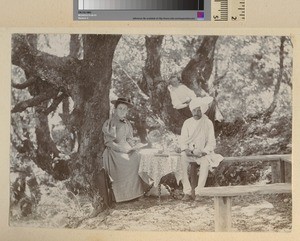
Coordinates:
<point>187,197</point>
<point>198,198</point>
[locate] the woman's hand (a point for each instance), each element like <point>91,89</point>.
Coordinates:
<point>125,150</point>
<point>177,150</point>
<point>188,152</point>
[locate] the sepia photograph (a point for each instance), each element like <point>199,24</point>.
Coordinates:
<point>185,133</point>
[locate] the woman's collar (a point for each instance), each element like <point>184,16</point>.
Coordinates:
<point>116,118</point>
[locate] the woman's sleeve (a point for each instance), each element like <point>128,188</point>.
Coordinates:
<point>190,93</point>
<point>109,135</point>
<point>129,136</point>
<point>174,99</point>
<point>108,132</point>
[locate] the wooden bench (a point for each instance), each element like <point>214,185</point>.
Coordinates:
<point>280,164</point>
<point>222,199</point>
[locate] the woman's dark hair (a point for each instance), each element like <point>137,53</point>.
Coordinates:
<point>122,100</point>
<point>117,103</point>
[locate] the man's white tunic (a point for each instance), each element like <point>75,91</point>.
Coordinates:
<point>199,136</point>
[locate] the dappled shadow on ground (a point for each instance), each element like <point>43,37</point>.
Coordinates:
<point>256,213</point>
<point>148,213</point>
<point>267,213</point>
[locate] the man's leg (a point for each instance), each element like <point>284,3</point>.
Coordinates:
<point>203,173</point>
<point>194,168</point>
<point>185,179</point>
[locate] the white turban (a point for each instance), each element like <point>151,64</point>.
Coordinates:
<point>201,102</point>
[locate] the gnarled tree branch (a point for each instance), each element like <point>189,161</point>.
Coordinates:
<point>55,103</point>
<point>34,101</point>
<point>74,46</point>
<point>197,72</point>
<point>25,84</point>
<point>62,72</point>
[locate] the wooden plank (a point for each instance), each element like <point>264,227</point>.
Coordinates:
<point>276,172</point>
<point>222,214</point>
<point>230,191</point>
<point>282,171</point>
<point>288,172</point>
<point>285,157</point>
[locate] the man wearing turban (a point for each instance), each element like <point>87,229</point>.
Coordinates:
<point>198,143</point>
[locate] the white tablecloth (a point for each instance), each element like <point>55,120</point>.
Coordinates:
<point>155,166</point>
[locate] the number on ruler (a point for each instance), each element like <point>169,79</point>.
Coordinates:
<point>220,10</point>
<point>228,10</point>
<point>237,9</point>
<point>242,9</point>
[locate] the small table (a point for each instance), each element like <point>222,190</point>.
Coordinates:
<point>154,166</point>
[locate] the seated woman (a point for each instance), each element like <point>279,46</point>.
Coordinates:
<point>181,96</point>
<point>119,158</point>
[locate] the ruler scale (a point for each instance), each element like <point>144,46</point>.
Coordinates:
<point>238,10</point>
<point>228,10</point>
<point>224,10</point>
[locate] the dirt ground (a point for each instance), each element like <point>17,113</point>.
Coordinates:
<point>259,213</point>
<point>148,214</point>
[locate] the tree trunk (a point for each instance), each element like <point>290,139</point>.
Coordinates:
<point>156,87</point>
<point>197,72</point>
<point>92,107</point>
<point>88,83</point>
<point>151,72</point>
<point>273,105</point>
<point>195,75</point>
<point>46,155</point>
<point>75,46</point>
<point>265,115</point>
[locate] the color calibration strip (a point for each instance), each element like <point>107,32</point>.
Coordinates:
<point>141,5</point>
<point>159,10</point>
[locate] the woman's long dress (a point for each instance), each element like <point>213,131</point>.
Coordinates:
<point>122,167</point>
